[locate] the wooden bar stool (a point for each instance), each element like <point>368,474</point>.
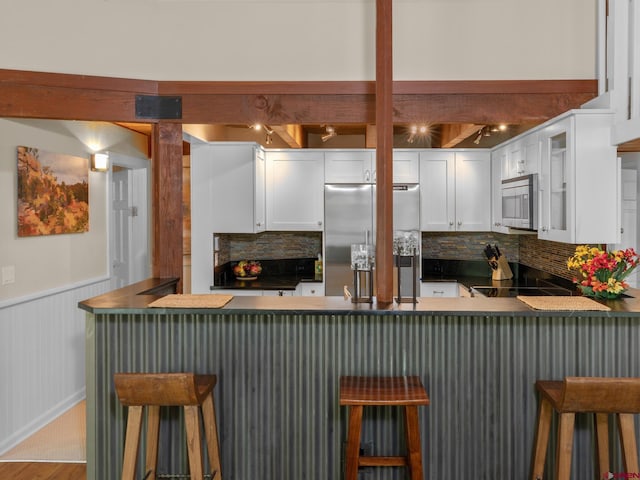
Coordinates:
<point>598,395</point>
<point>153,390</point>
<point>405,392</point>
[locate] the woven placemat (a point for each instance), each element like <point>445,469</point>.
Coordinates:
<point>562,303</point>
<point>205,300</point>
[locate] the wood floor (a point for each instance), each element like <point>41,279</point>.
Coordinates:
<point>43,471</point>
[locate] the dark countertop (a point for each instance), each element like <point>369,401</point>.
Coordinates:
<point>266,282</point>
<point>136,298</point>
<point>471,273</point>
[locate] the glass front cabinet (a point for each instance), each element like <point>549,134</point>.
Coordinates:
<point>578,184</point>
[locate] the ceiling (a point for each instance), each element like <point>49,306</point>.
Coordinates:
<point>352,135</point>
<point>359,136</point>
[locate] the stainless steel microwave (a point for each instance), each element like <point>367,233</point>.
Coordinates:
<point>520,202</point>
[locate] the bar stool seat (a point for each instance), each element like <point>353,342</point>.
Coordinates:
<point>405,392</point>
<point>598,395</point>
<point>153,390</point>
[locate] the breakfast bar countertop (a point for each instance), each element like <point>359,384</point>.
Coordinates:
<point>137,297</point>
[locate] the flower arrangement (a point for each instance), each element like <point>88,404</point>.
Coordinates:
<point>601,273</point>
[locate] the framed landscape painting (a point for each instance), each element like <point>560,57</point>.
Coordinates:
<point>53,193</point>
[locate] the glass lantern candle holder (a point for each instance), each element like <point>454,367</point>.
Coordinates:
<point>362,256</point>
<point>406,243</point>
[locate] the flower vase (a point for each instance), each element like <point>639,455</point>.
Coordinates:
<point>604,295</point>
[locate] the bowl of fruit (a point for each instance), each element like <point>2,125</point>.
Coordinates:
<point>247,269</point>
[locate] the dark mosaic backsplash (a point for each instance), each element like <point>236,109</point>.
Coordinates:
<point>548,256</point>
<point>543,255</point>
<point>269,246</point>
<point>468,245</point>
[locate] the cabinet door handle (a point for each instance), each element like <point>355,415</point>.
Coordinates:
<point>319,222</point>
<point>367,175</point>
<point>459,222</point>
<point>258,224</point>
<point>451,224</point>
<point>438,292</point>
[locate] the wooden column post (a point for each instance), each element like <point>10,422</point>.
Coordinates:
<point>384,153</point>
<point>166,154</point>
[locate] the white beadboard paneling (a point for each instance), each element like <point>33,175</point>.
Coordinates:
<point>42,360</point>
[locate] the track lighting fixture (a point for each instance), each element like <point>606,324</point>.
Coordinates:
<point>331,132</point>
<point>478,138</point>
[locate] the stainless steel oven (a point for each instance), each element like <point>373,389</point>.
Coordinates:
<point>520,202</point>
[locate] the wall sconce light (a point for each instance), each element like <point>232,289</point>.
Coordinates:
<point>99,162</point>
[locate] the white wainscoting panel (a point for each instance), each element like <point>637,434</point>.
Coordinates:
<point>42,360</point>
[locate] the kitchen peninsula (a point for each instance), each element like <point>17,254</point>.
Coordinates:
<point>278,361</point>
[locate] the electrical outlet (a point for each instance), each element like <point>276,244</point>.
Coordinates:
<point>8,274</point>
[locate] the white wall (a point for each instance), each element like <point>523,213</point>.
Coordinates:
<point>42,349</point>
<point>47,262</point>
<point>300,39</point>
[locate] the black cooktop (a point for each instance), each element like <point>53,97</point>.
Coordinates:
<point>487,291</point>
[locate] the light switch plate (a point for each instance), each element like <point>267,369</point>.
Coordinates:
<point>8,274</point>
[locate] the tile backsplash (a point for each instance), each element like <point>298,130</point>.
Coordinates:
<point>468,245</point>
<point>268,246</point>
<point>528,250</point>
<point>545,255</point>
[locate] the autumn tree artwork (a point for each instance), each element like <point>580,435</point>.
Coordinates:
<point>53,193</point>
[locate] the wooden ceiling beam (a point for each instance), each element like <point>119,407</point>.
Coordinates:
<point>451,134</point>
<point>292,135</point>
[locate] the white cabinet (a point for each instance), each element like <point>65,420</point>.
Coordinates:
<point>439,289</point>
<point>228,185</point>
<point>359,166</point>
<point>498,160</point>
<point>278,293</point>
<point>254,292</point>
<point>455,190</point>
<point>406,166</point>
<point>578,181</point>
<point>349,166</point>
<point>227,196</point>
<point>295,190</point>
<point>522,156</point>
<point>310,289</point>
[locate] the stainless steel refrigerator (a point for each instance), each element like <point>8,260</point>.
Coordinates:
<point>349,211</point>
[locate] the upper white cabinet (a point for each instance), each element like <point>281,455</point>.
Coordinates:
<point>359,166</point>
<point>579,179</point>
<point>406,166</point>
<point>224,174</point>
<point>455,190</point>
<point>522,156</point>
<point>349,166</point>
<point>295,190</point>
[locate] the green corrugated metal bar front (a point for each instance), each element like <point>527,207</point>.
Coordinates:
<point>277,392</point>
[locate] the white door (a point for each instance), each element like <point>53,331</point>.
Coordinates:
<point>129,220</point>
<point>121,228</point>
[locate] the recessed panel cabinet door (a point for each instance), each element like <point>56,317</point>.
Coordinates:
<point>295,190</point>
<point>473,191</point>
<point>437,191</point>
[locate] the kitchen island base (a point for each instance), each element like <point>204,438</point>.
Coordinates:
<point>278,374</point>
